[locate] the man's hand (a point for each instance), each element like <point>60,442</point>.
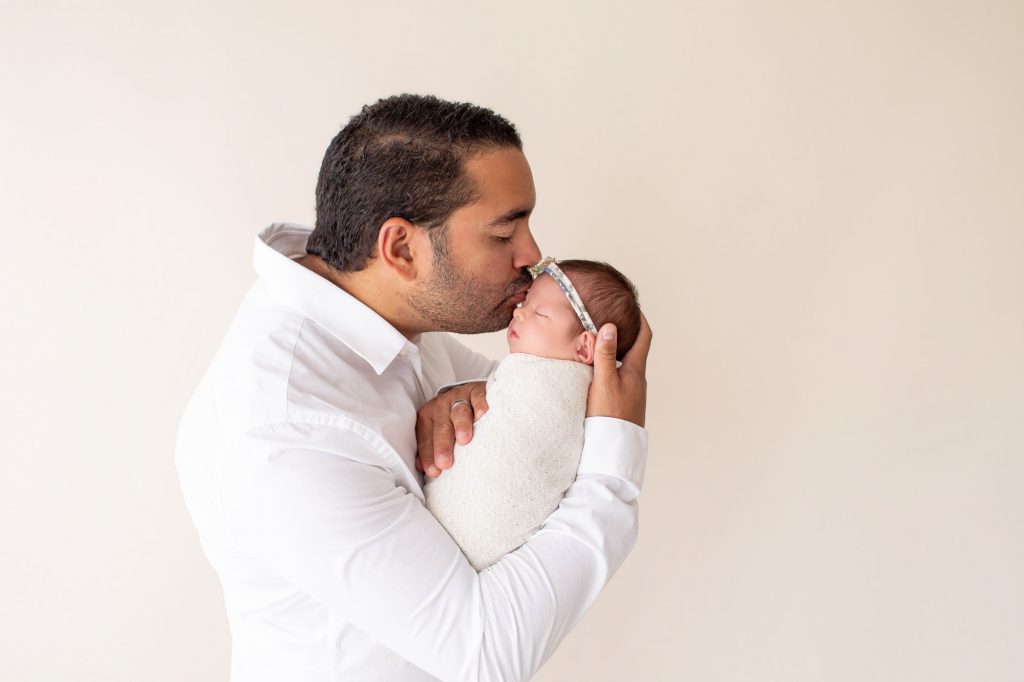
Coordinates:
<point>445,420</point>
<point>622,392</point>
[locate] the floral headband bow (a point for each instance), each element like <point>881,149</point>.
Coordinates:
<point>550,266</point>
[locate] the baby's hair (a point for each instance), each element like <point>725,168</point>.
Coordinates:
<point>609,296</point>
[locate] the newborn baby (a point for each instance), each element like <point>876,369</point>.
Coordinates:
<point>526,448</point>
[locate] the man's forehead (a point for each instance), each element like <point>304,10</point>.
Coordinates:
<point>503,176</point>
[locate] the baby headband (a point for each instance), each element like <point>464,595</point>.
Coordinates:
<point>549,266</point>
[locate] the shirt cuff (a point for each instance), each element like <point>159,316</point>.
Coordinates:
<point>614,447</point>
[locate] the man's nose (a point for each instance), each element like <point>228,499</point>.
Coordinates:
<point>528,254</point>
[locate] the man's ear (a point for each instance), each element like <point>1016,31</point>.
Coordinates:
<point>403,248</point>
<point>586,345</point>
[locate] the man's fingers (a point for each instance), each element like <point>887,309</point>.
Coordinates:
<point>478,397</point>
<point>636,357</point>
<point>444,443</point>
<point>462,421</point>
<point>439,421</point>
<point>425,446</point>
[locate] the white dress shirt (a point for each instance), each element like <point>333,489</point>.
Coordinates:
<point>296,458</point>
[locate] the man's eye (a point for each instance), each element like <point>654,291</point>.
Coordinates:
<point>503,240</point>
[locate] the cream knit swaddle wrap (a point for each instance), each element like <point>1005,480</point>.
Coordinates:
<point>523,456</point>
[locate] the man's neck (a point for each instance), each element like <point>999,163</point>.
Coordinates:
<point>366,287</point>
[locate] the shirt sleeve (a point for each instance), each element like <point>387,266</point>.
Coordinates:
<point>468,365</point>
<point>325,510</point>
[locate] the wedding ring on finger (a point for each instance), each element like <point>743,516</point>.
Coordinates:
<point>460,402</point>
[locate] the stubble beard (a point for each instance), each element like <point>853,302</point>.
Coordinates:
<point>455,301</point>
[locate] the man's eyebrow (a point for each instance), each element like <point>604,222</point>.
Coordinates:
<point>510,217</point>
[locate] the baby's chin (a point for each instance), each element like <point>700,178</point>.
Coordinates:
<point>518,348</point>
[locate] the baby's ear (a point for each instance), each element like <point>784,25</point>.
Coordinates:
<point>586,344</point>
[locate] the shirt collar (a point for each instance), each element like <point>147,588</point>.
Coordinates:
<point>345,317</point>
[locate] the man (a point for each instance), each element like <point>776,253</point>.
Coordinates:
<point>298,454</point>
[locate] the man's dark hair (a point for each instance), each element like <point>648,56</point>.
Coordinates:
<point>608,296</point>
<point>401,157</point>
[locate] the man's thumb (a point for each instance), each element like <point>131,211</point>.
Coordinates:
<point>606,345</point>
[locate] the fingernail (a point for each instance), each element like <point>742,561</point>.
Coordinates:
<point>443,459</point>
<point>479,413</point>
<point>433,471</point>
<point>461,436</point>
<point>608,334</point>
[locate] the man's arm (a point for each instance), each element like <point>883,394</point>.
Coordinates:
<point>322,507</point>
<point>334,523</point>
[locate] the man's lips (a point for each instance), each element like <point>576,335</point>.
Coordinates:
<point>521,293</point>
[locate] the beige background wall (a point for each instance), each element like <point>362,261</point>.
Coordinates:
<point>820,202</point>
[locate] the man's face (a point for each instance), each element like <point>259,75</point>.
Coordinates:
<point>480,258</point>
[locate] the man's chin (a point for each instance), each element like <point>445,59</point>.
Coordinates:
<point>493,323</point>
<point>496,325</point>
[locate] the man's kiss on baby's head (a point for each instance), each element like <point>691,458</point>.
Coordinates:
<point>546,324</point>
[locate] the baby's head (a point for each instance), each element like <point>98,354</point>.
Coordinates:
<point>545,324</point>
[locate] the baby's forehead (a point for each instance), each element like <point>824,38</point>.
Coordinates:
<point>546,292</point>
